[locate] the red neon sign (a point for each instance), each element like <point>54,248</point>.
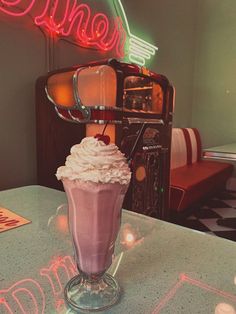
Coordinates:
<point>77,21</point>
<point>7,5</point>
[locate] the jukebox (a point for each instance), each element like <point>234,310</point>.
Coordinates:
<point>136,107</point>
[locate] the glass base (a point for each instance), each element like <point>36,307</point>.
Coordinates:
<point>85,294</point>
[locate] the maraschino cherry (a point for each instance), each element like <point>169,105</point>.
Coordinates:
<point>104,138</point>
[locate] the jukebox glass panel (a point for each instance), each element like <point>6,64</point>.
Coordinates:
<point>142,94</point>
<point>60,89</point>
<point>97,86</point>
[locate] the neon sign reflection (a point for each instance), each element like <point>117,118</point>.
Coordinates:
<point>28,294</point>
<point>183,278</point>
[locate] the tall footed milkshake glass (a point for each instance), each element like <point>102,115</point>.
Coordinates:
<point>94,213</point>
<point>94,219</point>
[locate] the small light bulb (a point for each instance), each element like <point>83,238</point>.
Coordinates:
<point>129,237</point>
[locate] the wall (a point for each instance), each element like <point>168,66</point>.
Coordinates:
<point>214,96</point>
<point>169,24</point>
<point>22,56</point>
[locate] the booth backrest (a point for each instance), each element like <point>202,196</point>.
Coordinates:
<point>186,147</point>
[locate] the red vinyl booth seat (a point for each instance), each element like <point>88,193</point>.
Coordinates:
<point>192,178</point>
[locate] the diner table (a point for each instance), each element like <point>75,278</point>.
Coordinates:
<point>225,152</point>
<point>161,267</point>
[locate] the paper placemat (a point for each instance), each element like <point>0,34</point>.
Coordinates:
<point>10,220</point>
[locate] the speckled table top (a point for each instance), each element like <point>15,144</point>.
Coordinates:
<point>225,152</point>
<point>166,268</point>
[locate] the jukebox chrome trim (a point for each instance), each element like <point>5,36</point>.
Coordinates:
<point>86,112</point>
<point>104,108</point>
<point>63,117</point>
<point>106,121</point>
<point>78,105</point>
<point>77,120</point>
<point>144,121</point>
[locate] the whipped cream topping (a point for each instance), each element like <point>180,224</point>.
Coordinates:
<point>92,160</point>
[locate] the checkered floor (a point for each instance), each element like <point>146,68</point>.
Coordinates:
<point>208,217</point>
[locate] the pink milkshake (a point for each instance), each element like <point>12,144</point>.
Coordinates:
<point>95,178</point>
<point>94,219</point>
